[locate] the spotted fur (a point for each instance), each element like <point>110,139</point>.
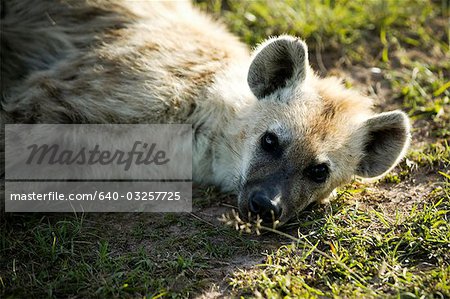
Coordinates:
<point>94,61</point>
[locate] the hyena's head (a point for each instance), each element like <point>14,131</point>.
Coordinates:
<point>305,136</point>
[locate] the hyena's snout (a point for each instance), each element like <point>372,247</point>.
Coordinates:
<point>266,204</point>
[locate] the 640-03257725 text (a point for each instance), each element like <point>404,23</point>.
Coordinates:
<point>98,168</point>
<point>102,196</point>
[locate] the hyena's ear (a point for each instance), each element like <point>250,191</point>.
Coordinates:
<point>386,139</point>
<point>277,63</point>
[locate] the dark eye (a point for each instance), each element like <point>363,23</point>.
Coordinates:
<point>269,142</point>
<point>318,173</point>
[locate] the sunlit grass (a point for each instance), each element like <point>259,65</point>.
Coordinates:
<point>350,249</point>
<point>368,253</point>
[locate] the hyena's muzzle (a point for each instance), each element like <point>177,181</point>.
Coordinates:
<point>267,197</point>
<point>266,202</point>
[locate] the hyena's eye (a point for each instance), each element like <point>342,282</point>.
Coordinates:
<point>269,142</point>
<point>318,173</point>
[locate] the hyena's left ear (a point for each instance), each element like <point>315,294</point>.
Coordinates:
<point>386,139</point>
<point>278,63</point>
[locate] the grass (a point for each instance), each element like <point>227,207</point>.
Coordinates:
<point>51,257</point>
<point>368,253</point>
<point>387,239</point>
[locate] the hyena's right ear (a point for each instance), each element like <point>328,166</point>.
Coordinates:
<point>278,63</point>
<point>386,139</point>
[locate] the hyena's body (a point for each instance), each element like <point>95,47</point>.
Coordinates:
<point>265,126</point>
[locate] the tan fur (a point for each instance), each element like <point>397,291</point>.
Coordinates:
<point>163,62</point>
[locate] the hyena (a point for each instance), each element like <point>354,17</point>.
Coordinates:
<point>265,125</point>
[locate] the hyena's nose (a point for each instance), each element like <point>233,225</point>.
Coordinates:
<point>262,205</point>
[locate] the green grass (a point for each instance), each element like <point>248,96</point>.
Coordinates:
<point>332,24</point>
<point>387,239</point>
<point>52,257</point>
<point>350,251</point>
